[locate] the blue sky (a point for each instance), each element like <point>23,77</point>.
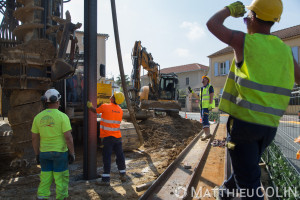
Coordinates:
<point>173,31</point>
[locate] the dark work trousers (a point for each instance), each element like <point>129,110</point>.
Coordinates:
<point>112,144</point>
<point>250,142</point>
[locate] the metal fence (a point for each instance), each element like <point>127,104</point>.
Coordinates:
<point>280,156</point>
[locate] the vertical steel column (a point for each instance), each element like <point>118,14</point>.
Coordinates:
<point>90,89</point>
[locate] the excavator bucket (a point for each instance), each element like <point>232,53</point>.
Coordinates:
<point>172,106</point>
<point>61,69</point>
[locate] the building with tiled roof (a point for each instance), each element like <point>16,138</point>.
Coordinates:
<point>220,61</point>
<point>188,75</point>
<point>284,34</point>
<point>184,68</point>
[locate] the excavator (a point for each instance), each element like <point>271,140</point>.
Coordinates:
<point>161,93</point>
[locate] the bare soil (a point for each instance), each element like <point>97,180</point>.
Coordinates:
<point>165,137</point>
<point>212,173</point>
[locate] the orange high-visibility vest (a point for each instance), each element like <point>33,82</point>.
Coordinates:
<point>110,120</point>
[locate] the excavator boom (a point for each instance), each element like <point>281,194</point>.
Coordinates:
<point>161,91</point>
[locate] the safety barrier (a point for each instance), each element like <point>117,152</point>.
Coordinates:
<point>280,156</point>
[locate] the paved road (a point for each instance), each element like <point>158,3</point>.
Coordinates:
<point>288,130</point>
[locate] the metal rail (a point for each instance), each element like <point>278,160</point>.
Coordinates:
<point>173,174</point>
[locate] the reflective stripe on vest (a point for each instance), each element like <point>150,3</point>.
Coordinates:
<point>252,106</point>
<point>259,91</point>
<point>110,121</point>
<point>108,128</point>
<point>113,126</point>
<point>260,87</point>
<point>206,97</point>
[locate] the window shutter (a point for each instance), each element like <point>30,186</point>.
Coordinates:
<point>216,69</point>
<point>187,81</point>
<point>227,67</point>
<point>295,51</point>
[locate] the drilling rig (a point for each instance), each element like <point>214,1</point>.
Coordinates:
<point>33,43</point>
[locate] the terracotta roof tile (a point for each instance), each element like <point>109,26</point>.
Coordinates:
<point>288,32</point>
<point>283,34</point>
<point>184,68</point>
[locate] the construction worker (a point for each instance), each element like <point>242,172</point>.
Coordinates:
<point>51,140</point>
<point>257,90</point>
<point>110,133</point>
<point>206,104</point>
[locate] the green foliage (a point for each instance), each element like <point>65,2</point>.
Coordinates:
<point>282,173</point>
<point>214,116</point>
<point>119,81</point>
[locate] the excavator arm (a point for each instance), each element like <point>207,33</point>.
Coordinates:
<point>160,94</point>
<point>141,58</point>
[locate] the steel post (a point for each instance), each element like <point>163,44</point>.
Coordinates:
<point>90,89</point>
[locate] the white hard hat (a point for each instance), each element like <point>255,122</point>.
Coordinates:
<point>51,95</point>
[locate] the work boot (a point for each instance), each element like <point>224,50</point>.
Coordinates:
<point>102,183</point>
<point>123,177</point>
<point>206,137</point>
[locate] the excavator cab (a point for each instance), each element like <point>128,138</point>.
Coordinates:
<point>168,87</point>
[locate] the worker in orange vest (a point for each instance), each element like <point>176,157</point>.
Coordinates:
<point>110,133</point>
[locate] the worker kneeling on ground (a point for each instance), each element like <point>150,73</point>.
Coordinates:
<point>51,140</point>
<point>110,132</point>
<point>257,90</point>
<point>206,104</point>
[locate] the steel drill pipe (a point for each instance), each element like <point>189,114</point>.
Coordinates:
<point>90,89</point>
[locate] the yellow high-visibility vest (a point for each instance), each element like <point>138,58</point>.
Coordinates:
<point>206,97</point>
<point>259,91</point>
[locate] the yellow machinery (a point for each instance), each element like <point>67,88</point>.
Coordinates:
<point>161,93</point>
<point>104,92</point>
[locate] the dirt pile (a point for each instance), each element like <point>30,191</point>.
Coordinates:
<point>167,132</point>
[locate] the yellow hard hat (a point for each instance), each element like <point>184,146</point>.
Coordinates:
<point>267,10</point>
<point>206,77</point>
<point>119,97</point>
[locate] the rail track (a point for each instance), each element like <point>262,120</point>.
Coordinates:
<point>179,177</point>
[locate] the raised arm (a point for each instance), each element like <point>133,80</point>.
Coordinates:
<point>233,38</point>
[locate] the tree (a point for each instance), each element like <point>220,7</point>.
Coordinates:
<point>119,81</point>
